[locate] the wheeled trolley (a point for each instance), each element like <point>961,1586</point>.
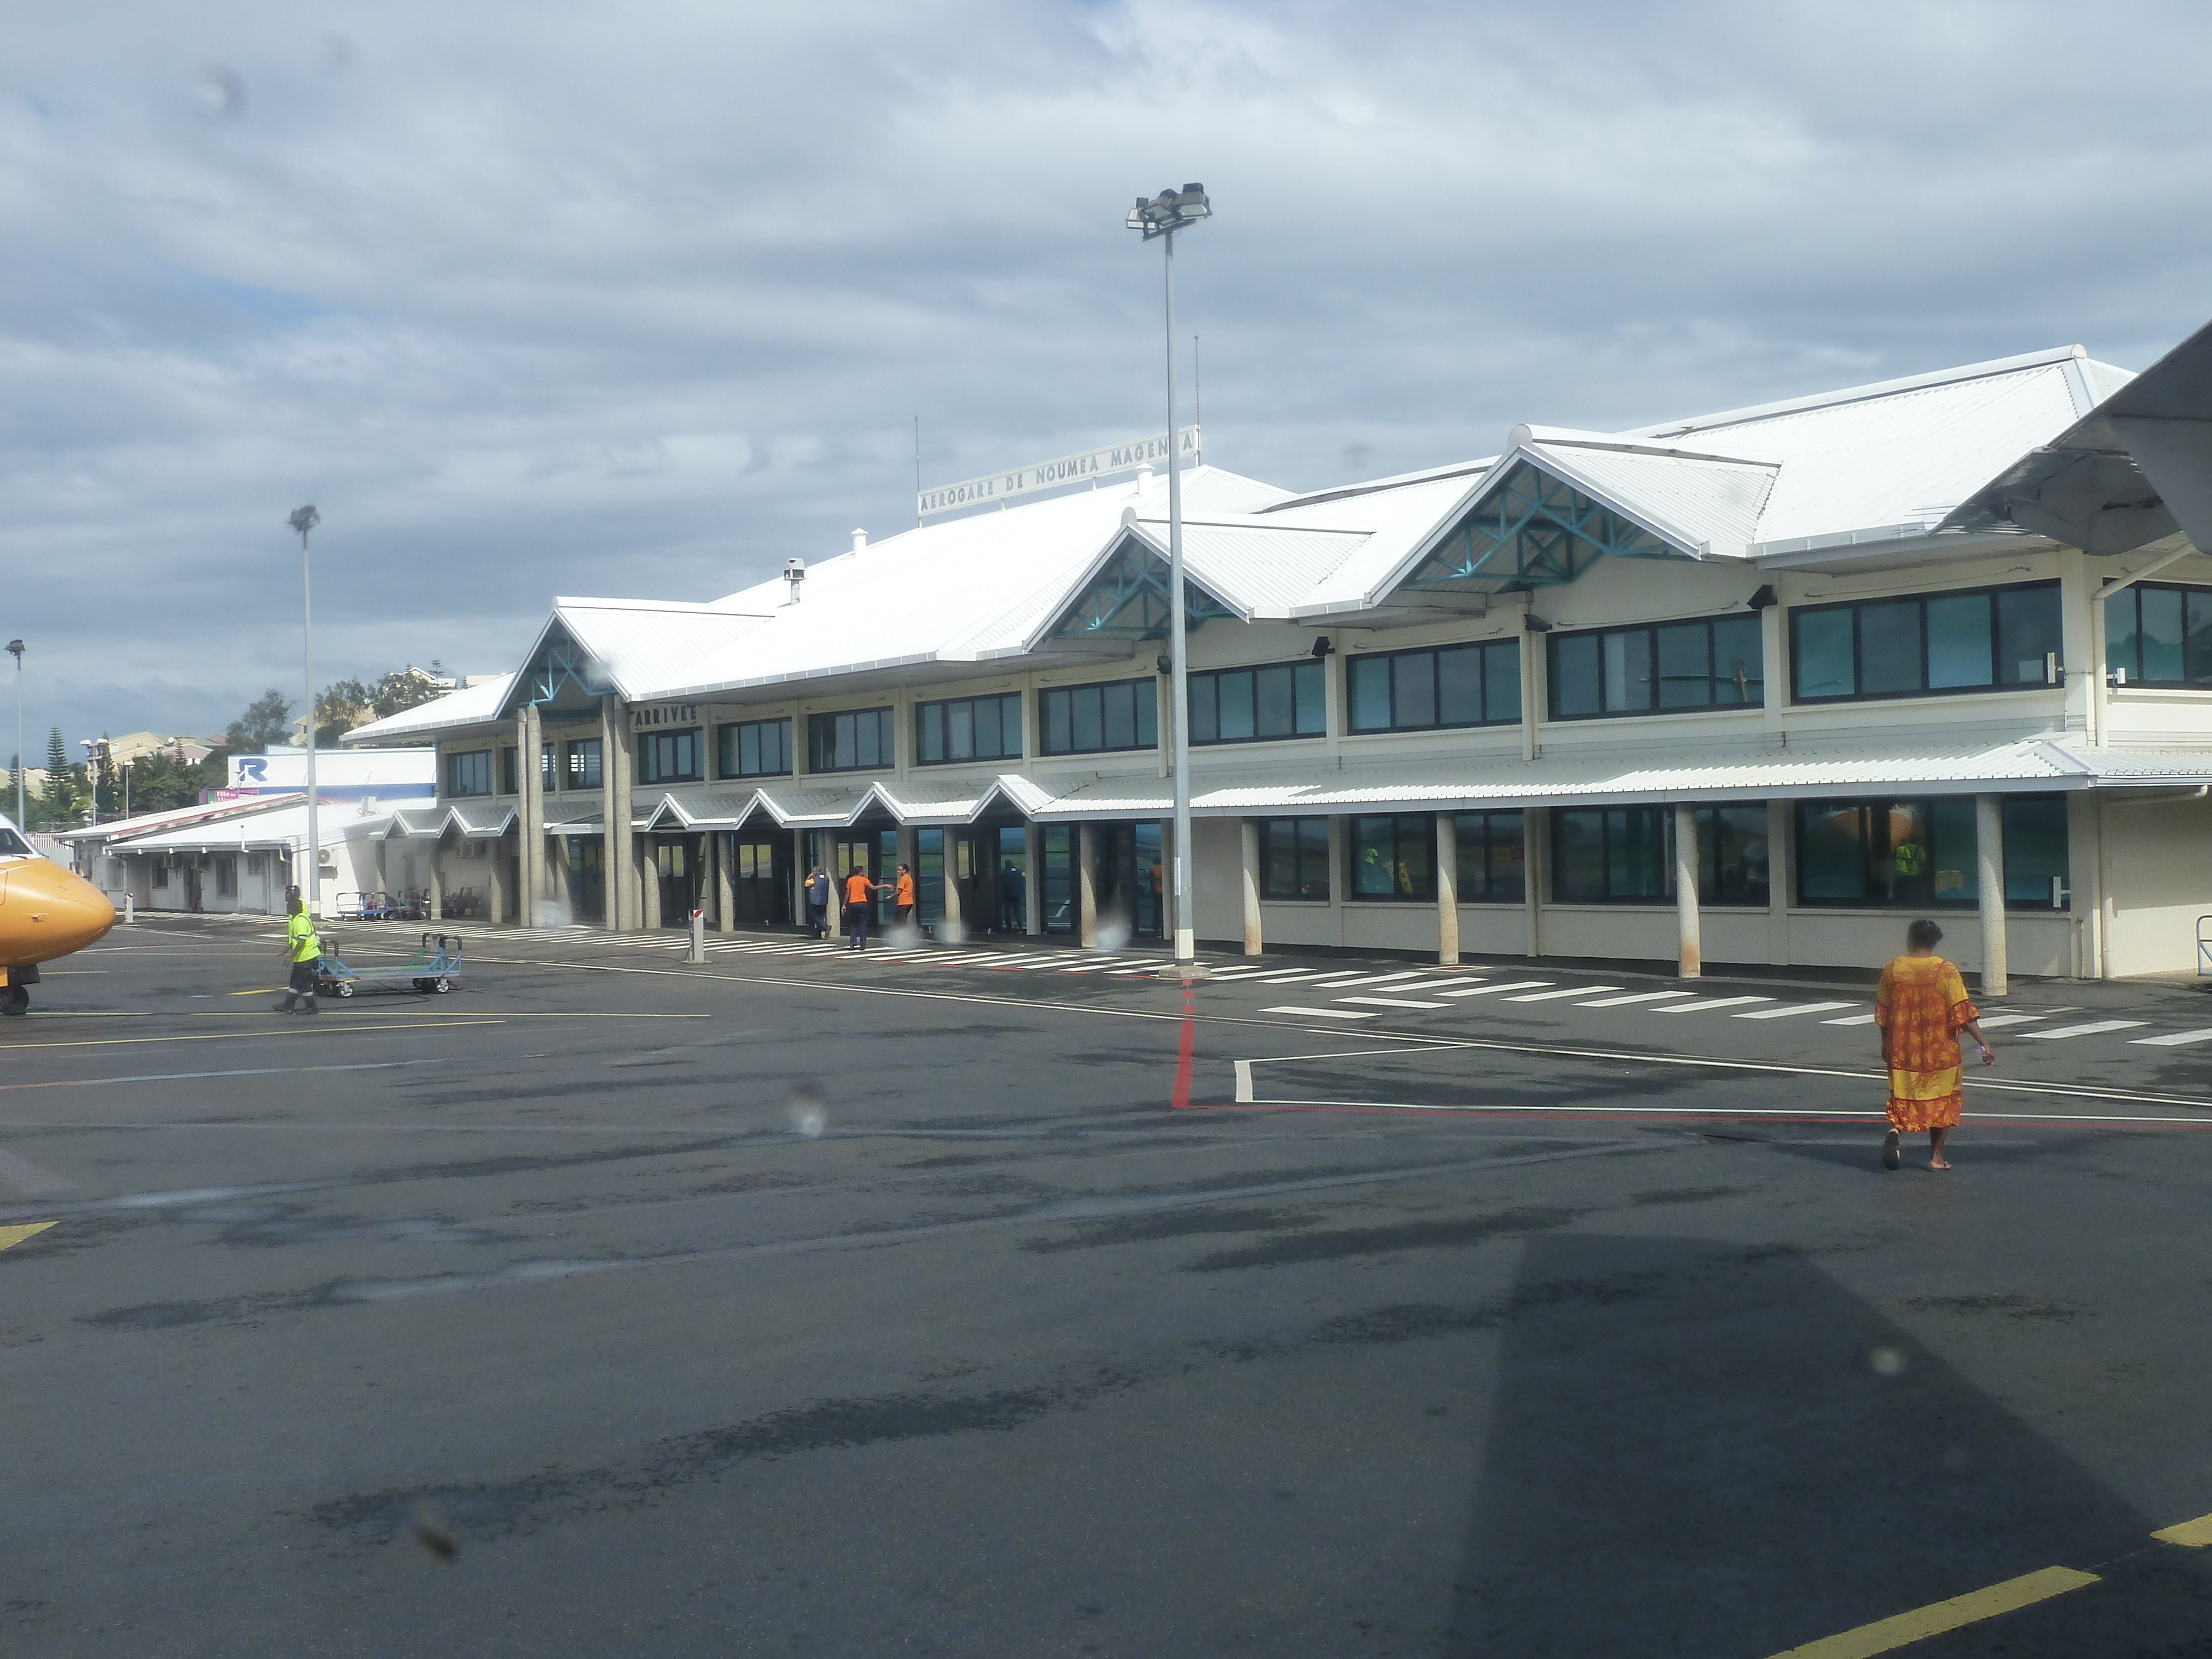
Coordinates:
<point>433,970</point>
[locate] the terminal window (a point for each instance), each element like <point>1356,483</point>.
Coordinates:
<point>1657,668</point>
<point>469,773</point>
<point>754,749</point>
<point>1082,719</point>
<point>1393,857</point>
<point>1979,640</point>
<point>2161,634</point>
<point>1626,855</point>
<point>849,740</point>
<point>1294,857</point>
<point>583,762</point>
<point>1921,853</point>
<point>668,757</point>
<point>1253,705</point>
<point>1419,690</point>
<point>1492,858</point>
<point>968,728</point>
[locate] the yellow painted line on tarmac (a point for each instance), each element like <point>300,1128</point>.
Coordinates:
<point>2190,1534</point>
<point>323,1025</point>
<point>1904,1629</point>
<point>11,1236</point>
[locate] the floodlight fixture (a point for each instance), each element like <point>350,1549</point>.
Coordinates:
<point>1170,211</point>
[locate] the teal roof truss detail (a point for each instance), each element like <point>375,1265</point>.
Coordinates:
<point>1534,529</point>
<point>560,664</point>
<point>1128,599</point>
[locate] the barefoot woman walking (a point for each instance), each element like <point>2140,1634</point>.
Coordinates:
<point>1921,1008</point>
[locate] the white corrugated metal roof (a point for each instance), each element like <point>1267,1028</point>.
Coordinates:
<point>278,827</point>
<point>119,830</point>
<point>472,705</point>
<point>1875,460</point>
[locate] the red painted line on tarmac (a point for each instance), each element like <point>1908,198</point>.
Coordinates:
<point>1599,1116</point>
<point>1183,1051</point>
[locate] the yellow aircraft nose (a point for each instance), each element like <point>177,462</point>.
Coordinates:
<point>47,911</point>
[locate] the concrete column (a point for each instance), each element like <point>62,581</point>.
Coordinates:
<point>1781,882</point>
<point>1447,891</point>
<point>954,928</point>
<point>826,857</point>
<point>724,847</point>
<point>437,885</point>
<point>802,844</point>
<point>1247,837</point>
<point>1690,955</point>
<point>1086,885</point>
<point>531,788</point>
<point>1033,878</point>
<point>614,809</point>
<point>495,881</point>
<point>1988,857</point>
<point>648,885</point>
<point>1536,871</point>
<point>557,875</point>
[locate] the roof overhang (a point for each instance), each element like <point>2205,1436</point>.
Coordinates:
<point>2133,470</point>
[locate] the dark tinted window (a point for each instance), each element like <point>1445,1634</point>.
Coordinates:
<point>1656,668</point>
<point>1245,705</point>
<point>1978,640</point>
<point>1450,685</point>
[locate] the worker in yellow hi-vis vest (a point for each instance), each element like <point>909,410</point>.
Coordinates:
<point>303,953</point>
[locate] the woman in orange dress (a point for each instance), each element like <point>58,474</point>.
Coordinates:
<point>1921,1008</point>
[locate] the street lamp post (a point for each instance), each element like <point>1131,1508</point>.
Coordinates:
<point>312,888</point>
<point>16,650</point>
<point>91,747</point>
<point>1160,217</point>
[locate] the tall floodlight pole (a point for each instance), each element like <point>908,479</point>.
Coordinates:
<point>91,748</point>
<point>16,650</point>
<point>1162,216</point>
<point>312,890</point>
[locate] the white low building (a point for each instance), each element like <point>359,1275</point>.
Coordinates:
<point>1753,688</point>
<point>231,857</point>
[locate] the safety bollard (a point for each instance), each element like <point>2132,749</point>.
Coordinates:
<point>698,937</point>
<point>130,909</point>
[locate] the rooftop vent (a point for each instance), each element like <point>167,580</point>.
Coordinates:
<point>859,540</point>
<point>794,579</point>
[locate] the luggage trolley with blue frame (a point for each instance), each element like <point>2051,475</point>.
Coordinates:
<point>433,970</point>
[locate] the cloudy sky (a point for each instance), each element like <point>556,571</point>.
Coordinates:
<point>641,299</point>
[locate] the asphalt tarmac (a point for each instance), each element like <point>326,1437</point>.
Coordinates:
<point>797,1304</point>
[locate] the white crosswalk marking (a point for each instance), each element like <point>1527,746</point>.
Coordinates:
<point>1322,1013</point>
<point>1788,1008</point>
<point>1394,1002</point>
<point>1850,1019</point>
<point>1633,996</point>
<point>1430,984</point>
<point>1284,978</point>
<point>2172,1039</point>
<point>2088,1029</point>
<point>1380,979</point>
<point>1553,996</point>
<point>1710,1004</point>
<point>1493,990</point>
<point>1991,1021</point>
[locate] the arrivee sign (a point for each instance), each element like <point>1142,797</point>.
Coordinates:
<point>1050,474</point>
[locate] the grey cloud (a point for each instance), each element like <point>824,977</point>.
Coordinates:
<point>642,299</point>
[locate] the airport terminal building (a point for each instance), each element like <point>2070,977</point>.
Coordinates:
<point>1753,688</point>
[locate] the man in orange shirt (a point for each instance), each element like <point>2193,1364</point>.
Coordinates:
<point>902,896</point>
<point>860,900</point>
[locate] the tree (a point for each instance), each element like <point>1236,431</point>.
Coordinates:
<point>58,804</point>
<point>160,782</point>
<point>340,707</point>
<point>267,720</point>
<point>406,688</point>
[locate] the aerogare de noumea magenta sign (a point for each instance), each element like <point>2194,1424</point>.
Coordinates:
<point>1068,469</point>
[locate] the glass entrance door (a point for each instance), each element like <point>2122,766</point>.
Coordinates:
<point>675,865</point>
<point>760,878</point>
<point>875,851</point>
